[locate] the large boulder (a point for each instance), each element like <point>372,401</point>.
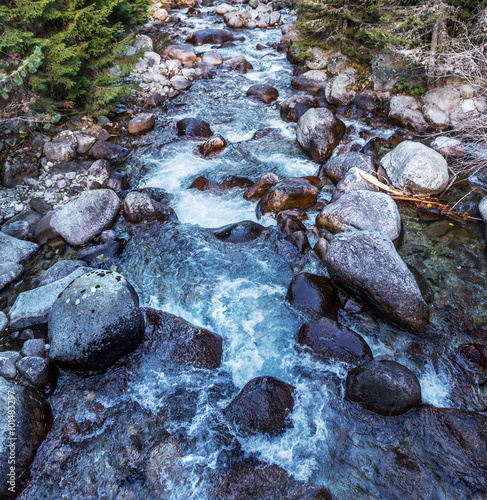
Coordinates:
<point>94,322</point>
<point>184,344</point>
<point>293,192</point>
<point>183,53</point>
<point>412,165</point>
<point>314,295</point>
<point>59,151</point>
<point>15,250</point>
<point>295,107</point>
<point>352,181</point>
<point>404,110</point>
<point>239,232</point>
<point>436,117</point>
<point>26,422</point>
<point>262,406</point>
<point>87,216</point>
<point>336,168</point>
<point>141,123</point>
<point>263,93</point>
<point>329,341</point>
<point>446,98</point>
<point>213,36</point>
<point>319,132</point>
<point>365,264</point>
<point>311,81</point>
<point>339,90</point>
<point>193,127</point>
<point>384,387</point>
<point>362,210</point>
<point>140,207</point>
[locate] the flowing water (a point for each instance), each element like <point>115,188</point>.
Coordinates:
<point>106,425</point>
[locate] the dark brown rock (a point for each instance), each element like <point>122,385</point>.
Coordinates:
<point>192,127</point>
<point>213,145</point>
<point>294,108</point>
<point>239,63</point>
<point>239,232</point>
<point>220,184</point>
<point>140,207</point>
<point>263,93</point>
<point>213,36</point>
<point>141,123</point>
<point>257,190</point>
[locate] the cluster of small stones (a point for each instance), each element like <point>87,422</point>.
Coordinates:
<point>255,15</point>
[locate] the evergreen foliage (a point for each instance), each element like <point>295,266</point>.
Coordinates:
<point>81,42</point>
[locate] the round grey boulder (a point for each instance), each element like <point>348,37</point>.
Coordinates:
<point>94,322</point>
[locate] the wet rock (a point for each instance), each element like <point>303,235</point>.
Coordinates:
<point>3,322</point>
<point>141,123</point>
<point>289,225</point>
<point>213,58</point>
<point>472,358</point>
<point>183,53</point>
<point>60,270</point>
<point>448,147</point>
<point>311,81</point>
<point>352,181</point>
<point>314,295</point>
<point>219,183</point>
<point>22,226</point>
<point>368,101</point>
<point>300,240</point>
<point>213,145</point>
<point>33,307</point>
<point>412,165</point>
<point>44,231</point>
<point>320,248</point>
<point>42,373</point>
<point>262,406</point>
<point>155,99</point>
<point>339,89</point>
<point>435,116</point>
<point>184,344</point>
<point>294,214</point>
<point>9,272</point>
<point>337,63</point>
<point>116,182</point>
<point>293,192</point>
<point>294,108</point>
<point>96,256</point>
<point>213,36</point>
<point>94,322</point>
<point>87,216</point>
<point>232,20</point>
<point>240,232</point>
<point>180,82</point>
<point>423,285</point>
<point>84,142</point>
<point>34,347</point>
<point>337,167</point>
<point>404,110</point>
<point>32,423</point>
<point>140,207</point>
<point>446,98</point>
<point>102,150</point>
<point>319,132</point>
<point>8,368</point>
<point>363,210</point>
<point>384,387</point>
<point>59,151</point>
<point>366,265</point>
<point>263,93</point>
<point>15,250</point>
<point>239,63</point>
<point>192,127</point>
<point>256,191</point>
<point>329,341</point>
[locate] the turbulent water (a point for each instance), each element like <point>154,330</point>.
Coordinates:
<point>101,438</point>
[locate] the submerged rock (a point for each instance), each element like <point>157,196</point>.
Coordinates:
<point>319,132</point>
<point>365,264</point>
<point>262,406</point>
<point>239,232</point>
<point>384,387</point>
<point>94,322</point>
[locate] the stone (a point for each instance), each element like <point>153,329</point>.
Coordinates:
<point>34,347</point>
<point>155,99</point>
<point>352,181</point>
<point>60,270</point>
<point>483,208</point>
<point>239,232</point>
<point>42,373</point>
<point>232,20</point>
<point>17,171</point>
<point>183,53</point>
<point>435,116</point>
<point>404,110</point>
<point>141,123</point>
<point>8,367</point>
<point>365,265</point>
<point>192,127</point>
<point>224,8</point>
<point>15,250</point>
<point>180,82</point>
<point>143,42</point>
<point>412,165</point>
<point>66,136</point>
<point>300,240</point>
<point>292,109</point>
<point>59,151</point>
<point>260,187</point>
<point>108,151</point>
<point>320,248</point>
<point>9,272</point>
<point>319,59</point>
<point>140,207</point>
<point>98,255</point>
<point>319,133</point>
<point>362,210</point>
<point>150,60</point>
<point>184,344</point>
<point>218,182</point>
<point>213,145</point>
<point>314,295</point>
<point>448,147</point>
<point>159,14</point>
<point>239,63</point>
<point>101,169</point>
<point>213,36</point>
<point>384,387</point>
<point>446,98</point>
<point>33,420</point>
<point>339,90</point>
<point>40,206</point>
<point>116,182</point>
<point>32,307</point>
<point>22,226</point>
<point>472,359</point>
<point>263,93</point>
<point>3,322</point>
<point>94,322</point>
<point>293,192</point>
<point>337,63</point>
<point>368,101</point>
<point>337,167</point>
<point>329,342</point>
<point>87,216</point>
<point>213,58</point>
<point>262,406</point>
<point>311,81</point>
<point>44,231</point>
